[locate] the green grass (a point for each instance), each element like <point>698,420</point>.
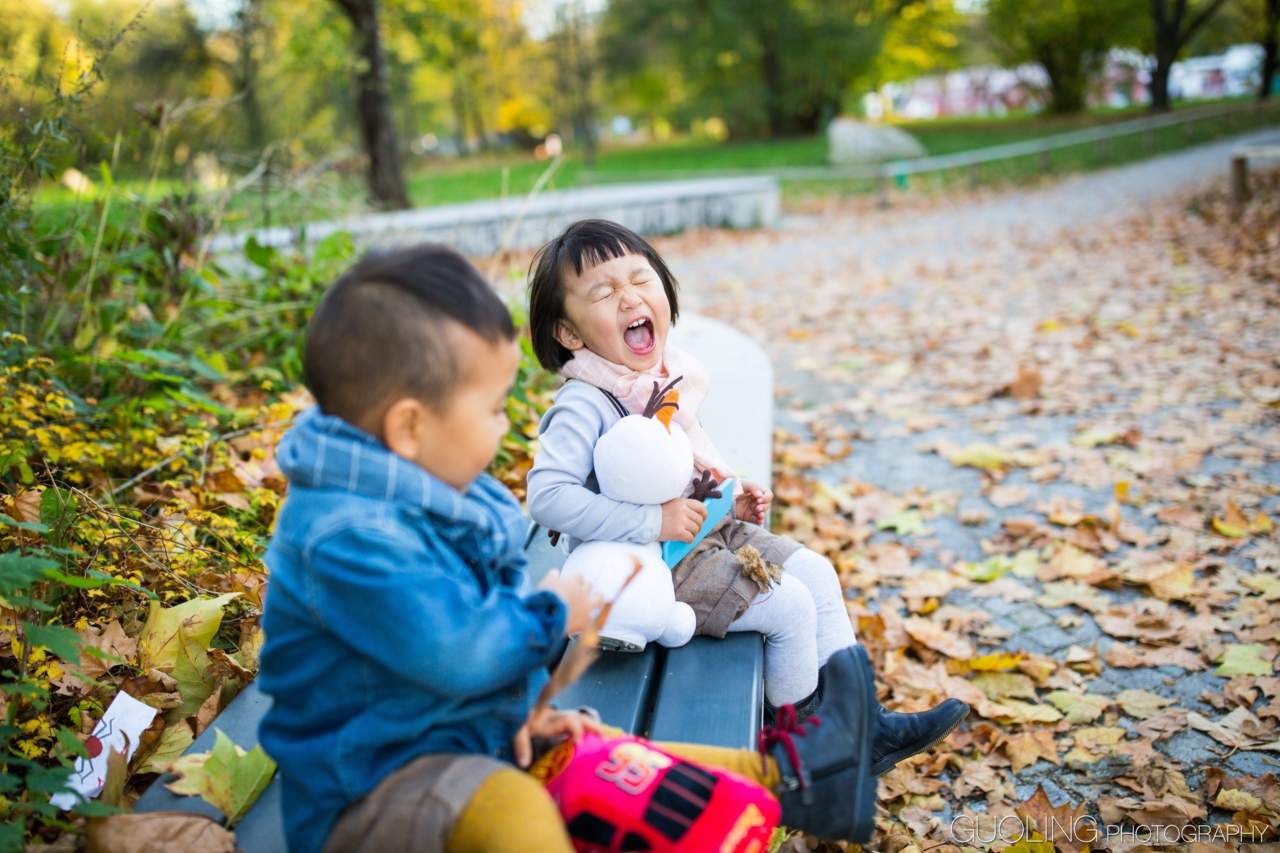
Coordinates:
<point>498,175</point>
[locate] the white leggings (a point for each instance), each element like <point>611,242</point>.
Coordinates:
<point>804,621</point>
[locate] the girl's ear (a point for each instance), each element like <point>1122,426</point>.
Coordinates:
<point>567,336</point>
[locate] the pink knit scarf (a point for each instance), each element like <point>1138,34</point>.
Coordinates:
<point>633,388</point>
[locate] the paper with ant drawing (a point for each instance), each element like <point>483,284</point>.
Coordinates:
<point>119,729</point>
<point>717,508</point>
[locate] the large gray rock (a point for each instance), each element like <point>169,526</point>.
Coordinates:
<point>850,141</point>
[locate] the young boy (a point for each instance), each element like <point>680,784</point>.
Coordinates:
<point>401,656</point>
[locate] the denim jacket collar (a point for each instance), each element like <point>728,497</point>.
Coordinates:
<point>325,452</point>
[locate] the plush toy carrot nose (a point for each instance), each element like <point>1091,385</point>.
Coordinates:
<point>672,398</point>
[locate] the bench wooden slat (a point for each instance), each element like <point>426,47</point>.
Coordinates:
<point>712,692</point>
<point>620,686</point>
<point>262,830</point>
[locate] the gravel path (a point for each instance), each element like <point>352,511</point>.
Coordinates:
<point>950,231</point>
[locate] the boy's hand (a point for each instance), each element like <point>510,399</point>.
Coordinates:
<point>681,520</point>
<point>550,723</point>
<point>578,596</point>
<point>753,504</point>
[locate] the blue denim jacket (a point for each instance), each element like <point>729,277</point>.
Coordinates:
<point>394,623</point>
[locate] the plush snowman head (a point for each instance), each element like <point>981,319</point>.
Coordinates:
<point>646,458</point>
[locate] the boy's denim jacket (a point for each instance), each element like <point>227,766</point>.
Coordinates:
<point>394,623</point>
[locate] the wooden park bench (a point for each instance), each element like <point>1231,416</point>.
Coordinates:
<point>709,691</point>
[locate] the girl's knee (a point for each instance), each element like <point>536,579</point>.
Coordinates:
<point>815,571</point>
<point>794,606</point>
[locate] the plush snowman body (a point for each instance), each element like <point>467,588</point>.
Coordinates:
<point>644,459</point>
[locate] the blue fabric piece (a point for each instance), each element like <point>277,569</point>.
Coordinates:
<point>394,623</point>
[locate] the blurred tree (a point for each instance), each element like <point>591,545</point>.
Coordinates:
<point>1270,47</point>
<point>572,44</point>
<point>373,106</point>
<point>764,66</point>
<point>1068,38</point>
<point>306,77</point>
<point>283,75</point>
<point>160,76</point>
<point>248,30</point>
<point>1174,23</point>
<point>924,39</point>
<point>474,55</point>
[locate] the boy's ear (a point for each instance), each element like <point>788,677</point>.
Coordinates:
<point>403,424</point>
<point>567,335</point>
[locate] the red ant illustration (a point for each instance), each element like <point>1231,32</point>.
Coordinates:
<point>93,745</point>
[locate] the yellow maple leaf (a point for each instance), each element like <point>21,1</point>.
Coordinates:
<point>1234,525</point>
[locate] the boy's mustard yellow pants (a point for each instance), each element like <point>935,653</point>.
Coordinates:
<point>511,810</point>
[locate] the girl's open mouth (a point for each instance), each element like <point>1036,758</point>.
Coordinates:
<point>639,337</point>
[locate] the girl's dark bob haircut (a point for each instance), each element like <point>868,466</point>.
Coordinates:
<point>583,244</point>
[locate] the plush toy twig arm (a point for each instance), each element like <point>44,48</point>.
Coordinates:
<point>705,487</point>
<point>657,400</point>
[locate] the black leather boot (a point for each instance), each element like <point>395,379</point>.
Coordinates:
<point>828,789</point>
<point>900,736</point>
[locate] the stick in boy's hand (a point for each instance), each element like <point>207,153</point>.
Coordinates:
<point>580,656</point>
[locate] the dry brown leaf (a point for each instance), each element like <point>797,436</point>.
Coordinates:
<point>1093,743</point>
<point>158,832</point>
<point>1027,747</point>
<point>1239,729</point>
<point>1027,384</point>
<point>1142,704</point>
<point>936,637</point>
<point>1067,826</point>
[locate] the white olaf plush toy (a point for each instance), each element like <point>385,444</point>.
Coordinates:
<point>642,459</point>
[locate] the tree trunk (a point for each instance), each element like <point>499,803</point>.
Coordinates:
<point>775,89</point>
<point>477,121</point>
<point>1168,24</point>
<point>1160,84</point>
<point>249,24</point>
<point>458,100</point>
<point>1271,49</point>
<point>584,66</point>
<point>386,179</point>
<point>1067,92</point>
<point>1173,29</point>
<point>1067,80</point>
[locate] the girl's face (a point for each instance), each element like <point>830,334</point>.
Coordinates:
<point>618,310</point>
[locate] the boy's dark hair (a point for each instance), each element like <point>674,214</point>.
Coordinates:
<point>584,243</point>
<point>382,329</point>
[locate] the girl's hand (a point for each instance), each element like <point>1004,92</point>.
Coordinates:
<point>681,520</point>
<point>753,504</point>
<point>550,723</point>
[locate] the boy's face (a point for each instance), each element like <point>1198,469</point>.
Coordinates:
<point>456,441</point>
<point>618,310</point>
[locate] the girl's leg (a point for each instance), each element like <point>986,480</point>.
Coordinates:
<point>744,762</point>
<point>510,812</point>
<point>785,614</point>
<point>815,571</point>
